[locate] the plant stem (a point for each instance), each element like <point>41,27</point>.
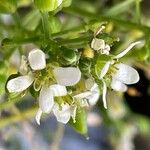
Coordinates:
<point>123,23</point>
<point>45,24</point>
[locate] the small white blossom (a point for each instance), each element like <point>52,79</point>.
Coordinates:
<point>97,44</point>
<point>124,74</point>
<point>92,96</point>
<point>21,83</point>
<point>100,45</point>
<point>68,76</point>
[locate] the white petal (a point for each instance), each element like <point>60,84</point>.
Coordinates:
<point>104,69</point>
<point>67,76</point>
<point>37,59</point>
<point>104,94</point>
<point>106,50</point>
<point>127,50</point>
<point>126,74</point>
<point>38,116</point>
<point>58,90</point>
<point>63,115</point>
<point>94,97</point>
<point>82,95</point>
<point>97,44</point>
<point>46,99</point>
<point>118,86</point>
<point>95,88</point>
<point>19,84</point>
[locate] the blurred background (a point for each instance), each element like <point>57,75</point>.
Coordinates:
<point>126,123</point>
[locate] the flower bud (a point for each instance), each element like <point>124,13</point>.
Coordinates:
<point>85,65</point>
<point>47,5</point>
<point>68,56</point>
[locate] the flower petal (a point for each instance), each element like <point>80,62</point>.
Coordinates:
<point>127,50</point>
<point>58,90</point>
<point>104,94</point>
<point>63,115</point>
<point>106,50</point>
<point>83,95</point>
<point>94,97</point>
<point>38,116</point>
<point>97,44</point>
<point>104,69</point>
<point>46,99</point>
<point>37,59</point>
<point>19,84</point>
<point>67,76</point>
<point>118,86</point>
<point>126,74</point>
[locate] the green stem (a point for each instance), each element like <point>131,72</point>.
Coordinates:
<point>45,24</point>
<point>123,23</point>
<point>138,11</point>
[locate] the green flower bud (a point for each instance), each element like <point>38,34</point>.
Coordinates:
<point>67,56</point>
<point>47,5</point>
<point>85,65</point>
<point>8,6</point>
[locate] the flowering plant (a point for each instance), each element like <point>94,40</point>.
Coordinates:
<point>68,70</point>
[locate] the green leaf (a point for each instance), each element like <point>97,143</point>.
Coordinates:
<point>81,122</point>
<point>8,6</point>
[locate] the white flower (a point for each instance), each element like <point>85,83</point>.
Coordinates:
<point>68,76</point>
<point>92,96</point>
<point>46,99</point>
<point>21,83</point>
<point>99,45</point>
<point>124,74</point>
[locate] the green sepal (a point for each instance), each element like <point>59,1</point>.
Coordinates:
<point>67,56</point>
<point>81,122</point>
<point>8,6</point>
<point>85,65</point>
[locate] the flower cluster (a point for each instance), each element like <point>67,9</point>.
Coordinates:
<point>50,86</point>
<point>62,89</point>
